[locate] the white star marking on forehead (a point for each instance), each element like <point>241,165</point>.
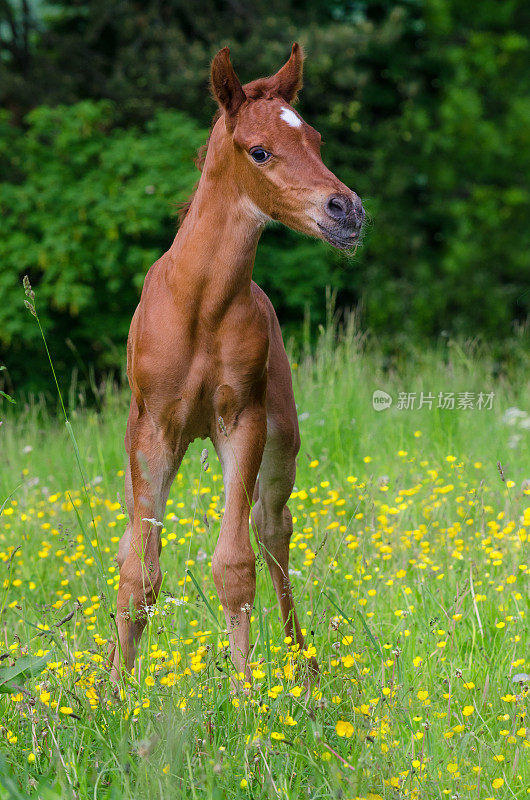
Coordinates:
<point>290,117</point>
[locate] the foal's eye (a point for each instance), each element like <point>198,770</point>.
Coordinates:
<point>260,155</point>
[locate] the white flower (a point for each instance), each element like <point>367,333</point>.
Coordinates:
<point>175,600</point>
<point>153,521</point>
<point>512,415</point>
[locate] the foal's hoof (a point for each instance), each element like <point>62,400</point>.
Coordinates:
<point>111,654</point>
<point>312,678</point>
<point>111,649</point>
<point>113,658</point>
<point>313,671</point>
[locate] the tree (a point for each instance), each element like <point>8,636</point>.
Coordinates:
<point>423,107</point>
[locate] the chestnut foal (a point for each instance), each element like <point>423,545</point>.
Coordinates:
<point>205,356</point>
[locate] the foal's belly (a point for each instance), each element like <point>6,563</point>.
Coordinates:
<point>200,408</point>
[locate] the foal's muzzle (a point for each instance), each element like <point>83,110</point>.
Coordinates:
<point>346,217</point>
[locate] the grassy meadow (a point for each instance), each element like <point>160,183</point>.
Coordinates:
<point>410,567</point>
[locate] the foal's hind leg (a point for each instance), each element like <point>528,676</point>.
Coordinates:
<point>125,541</point>
<point>152,469</point>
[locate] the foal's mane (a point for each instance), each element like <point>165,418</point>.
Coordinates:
<point>184,206</point>
<point>259,89</point>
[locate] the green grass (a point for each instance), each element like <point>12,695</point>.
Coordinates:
<point>410,571</point>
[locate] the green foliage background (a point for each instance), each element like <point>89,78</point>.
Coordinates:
<point>424,108</point>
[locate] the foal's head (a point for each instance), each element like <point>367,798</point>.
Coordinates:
<point>276,155</point>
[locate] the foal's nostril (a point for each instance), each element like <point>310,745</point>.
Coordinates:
<point>338,207</point>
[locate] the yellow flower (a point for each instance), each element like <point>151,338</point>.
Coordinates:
<point>497,783</point>
<point>289,670</point>
<point>423,694</point>
<point>344,728</point>
<point>66,710</point>
<point>452,768</point>
<point>165,769</point>
<point>244,783</point>
<point>278,736</point>
<point>467,711</point>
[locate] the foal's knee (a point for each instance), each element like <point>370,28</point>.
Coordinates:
<point>274,526</point>
<point>139,584</point>
<point>285,440</point>
<point>234,574</point>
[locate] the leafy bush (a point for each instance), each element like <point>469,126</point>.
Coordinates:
<point>424,110</point>
<point>87,210</point>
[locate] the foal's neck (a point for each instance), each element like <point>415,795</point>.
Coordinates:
<point>215,247</point>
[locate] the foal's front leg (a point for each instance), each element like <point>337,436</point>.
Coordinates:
<point>240,448</point>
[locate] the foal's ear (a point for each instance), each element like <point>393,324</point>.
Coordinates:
<point>225,84</point>
<point>288,80</point>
